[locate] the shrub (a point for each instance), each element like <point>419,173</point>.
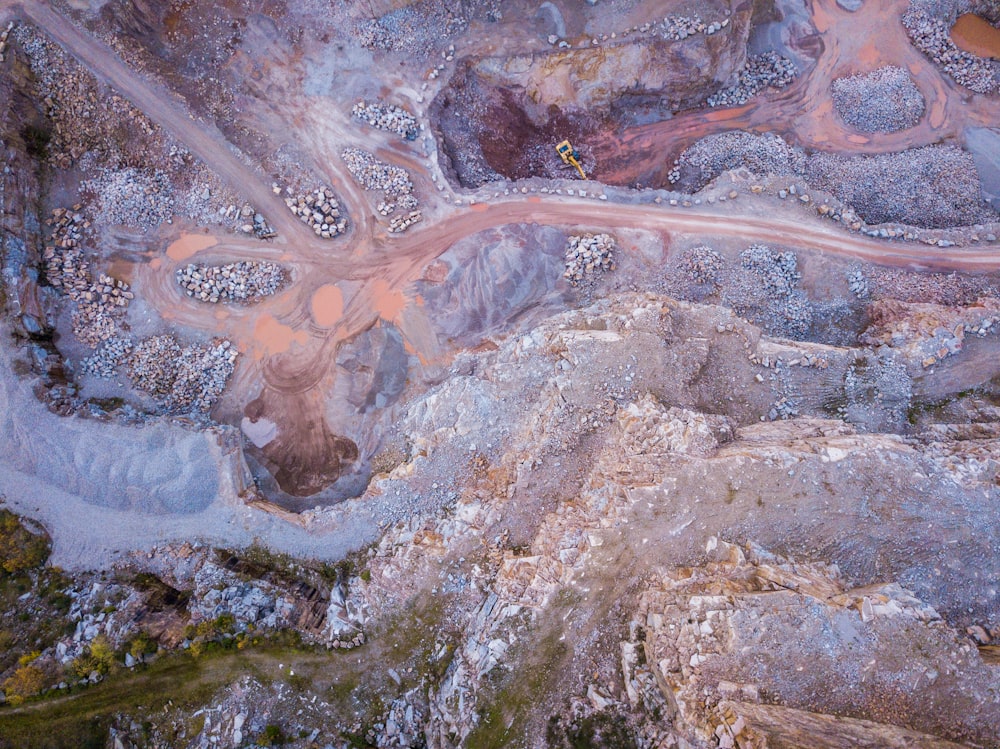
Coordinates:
<point>20,549</point>
<point>26,681</point>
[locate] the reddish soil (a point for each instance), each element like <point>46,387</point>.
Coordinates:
<point>976,35</point>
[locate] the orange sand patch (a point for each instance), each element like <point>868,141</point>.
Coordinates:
<point>976,35</point>
<point>221,314</point>
<point>860,139</point>
<point>479,207</point>
<point>188,245</point>
<point>155,263</point>
<point>388,302</point>
<point>275,337</point>
<point>327,305</point>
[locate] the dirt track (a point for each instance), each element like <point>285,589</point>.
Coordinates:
<point>288,353</point>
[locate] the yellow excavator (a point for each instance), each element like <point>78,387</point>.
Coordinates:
<point>570,156</point>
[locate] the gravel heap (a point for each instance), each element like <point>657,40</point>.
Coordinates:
<point>417,28</point>
<point>387,117</point>
<point>883,101</point>
<point>934,187</point>
<point>703,265</point>
<point>857,282</point>
<point>588,253</point>
<point>188,378</point>
<point>709,157</point>
<point>245,281</point>
<point>681,27</point>
<point>100,304</point>
<point>320,210</point>
<point>131,197</point>
<point>105,361</point>
<point>929,23</point>
<point>767,293</point>
<point>373,174</point>
<point>767,70</point>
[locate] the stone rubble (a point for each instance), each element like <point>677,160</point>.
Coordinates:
<point>131,197</point>
<point>885,100</point>
<point>3,39</point>
<point>101,303</point>
<point>320,210</point>
<point>767,70</point>
<point>398,224</point>
<point>387,117</point>
<point>376,175</point>
<point>588,253</point>
<point>703,265</point>
<point>188,378</point>
<point>928,25</point>
<point>245,281</point>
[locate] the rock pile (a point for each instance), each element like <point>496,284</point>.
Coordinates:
<point>767,294</point>
<point>387,117</point>
<point>883,101</point>
<point>320,210</point>
<point>375,175</point>
<point>857,282</point>
<point>587,253</point>
<point>245,281</point>
<point>131,197</point>
<point>767,70</point>
<point>928,25</point>
<point>400,224</point>
<point>182,378</point>
<point>678,28</point>
<point>108,358</point>
<point>709,157</point>
<point>933,186</point>
<point>703,265</point>
<point>100,304</point>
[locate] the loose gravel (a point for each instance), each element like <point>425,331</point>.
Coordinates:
<point>767,70</point>
<point>245,281</point>
<point>885,100</point>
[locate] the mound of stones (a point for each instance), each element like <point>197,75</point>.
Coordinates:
<point>132,197</point>
<point>392,181</point>
<point>678,28</point>
<point>709,157</point>
<point>767,70</point>
<point>588,253</point>
<point>375,175</point>
<point>928,24</point>
<point>883,101</point>
<point>320,210</point>
<point>703,265</point>
<point>245,281</point>
<point>387,117</point>
<point>934,187</point>
<point>182,378</point>
<point>100,303</point>
<point>766,292</point>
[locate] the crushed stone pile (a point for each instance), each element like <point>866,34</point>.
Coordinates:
<point>703,265</point>
<point>376,175</point>
<point>934,186</point>
<point>928,24</point>
<point>767,292</point>
<point>182,378</point>
<point>588,253</point>
<point>709,157</point>
<point>387,117</point>
<point>320,210</point>
<point>100,303</point>
<point>677,28</point>
<point>3,39</point>
<point>245,281</point>
<point>108,358</point>
<point>401,223</point>
<point>131,197</point>
<point>766,70</point>
<point>883,101</point>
